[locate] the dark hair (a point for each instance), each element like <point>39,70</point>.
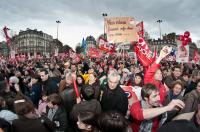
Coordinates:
<point>23,105</point>
<point>45,71</point>
<point>80,77</point>
<point>198,81</point>
<point>87,117</point>
<point>141,83</point>
<point>87,92</point>
<point>176,66</point>
<point>147,90</point>
<point>36,76</point>
<point>55,99</point>
<point>112,122</point>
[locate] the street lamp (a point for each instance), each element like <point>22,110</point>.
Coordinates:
<point>57,27</point>
<point>159,21</point>
<point>104,15</point>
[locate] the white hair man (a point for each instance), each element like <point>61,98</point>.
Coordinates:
<point>113,97</point>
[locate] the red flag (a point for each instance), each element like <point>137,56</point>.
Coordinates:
<point>5,30</point>
<point>143,52</point>
<point>94,53</point>
<point>140,27</point>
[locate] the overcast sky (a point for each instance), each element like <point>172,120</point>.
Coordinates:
<point>80,18</point>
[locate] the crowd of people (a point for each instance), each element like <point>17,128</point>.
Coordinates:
<point>40,95</point>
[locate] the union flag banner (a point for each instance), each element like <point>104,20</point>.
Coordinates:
<point>120,29</point>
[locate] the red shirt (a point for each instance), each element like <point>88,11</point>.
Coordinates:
<point>137,114</point>
<point>149,78</point>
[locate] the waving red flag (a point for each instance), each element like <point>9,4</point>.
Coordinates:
<point>143,52</point>
<point>5,30</point>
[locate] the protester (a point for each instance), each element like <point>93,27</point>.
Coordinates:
<point>148,114</point>
<point>114,98</point>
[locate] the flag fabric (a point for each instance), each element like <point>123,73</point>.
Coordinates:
<point>144,54</point>
<point>171,56</point>
<point>8,41</point>
<point>104,45</point>
<point>140,27</point>
<point>94,53</point>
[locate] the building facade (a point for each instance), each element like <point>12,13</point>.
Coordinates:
<point>4,50</point>
<point>32,42</point>
<point>91,42</point>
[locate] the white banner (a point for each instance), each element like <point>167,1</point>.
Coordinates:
<point>183,53</point>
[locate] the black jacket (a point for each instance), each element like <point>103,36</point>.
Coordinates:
<point>60,119</point>
<point>49,87</point>
<point>114,100</point>
<point>24,124</point>
<point>69,98</point>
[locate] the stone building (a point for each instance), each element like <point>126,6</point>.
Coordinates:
<point>32,42</point>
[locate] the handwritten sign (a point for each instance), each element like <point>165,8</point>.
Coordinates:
<point>121,29</point>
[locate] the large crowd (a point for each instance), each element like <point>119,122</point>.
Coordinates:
<point>115,94</point>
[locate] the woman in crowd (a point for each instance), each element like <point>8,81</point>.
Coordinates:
<point>28,120</point>
<point>87,122</point>
<point>112,122</point>
<point>176,90</point>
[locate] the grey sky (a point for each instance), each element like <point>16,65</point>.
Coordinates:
<point>81,18</point>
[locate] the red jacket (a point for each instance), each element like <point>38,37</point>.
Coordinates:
<point>149,78</point>
<point>137,114</point>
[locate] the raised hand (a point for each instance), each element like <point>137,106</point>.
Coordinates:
<point>175,104</point>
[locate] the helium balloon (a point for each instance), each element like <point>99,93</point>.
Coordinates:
<point>186,34</point>
<point>181,37</point>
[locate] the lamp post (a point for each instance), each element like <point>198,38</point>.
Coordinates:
<point>104,15</point>
<point>57,27</point>
<point>159,21</point>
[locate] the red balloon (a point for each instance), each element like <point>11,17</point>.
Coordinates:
<point>184,43</point>
<point>186,34</point>
<point>181,37</point>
